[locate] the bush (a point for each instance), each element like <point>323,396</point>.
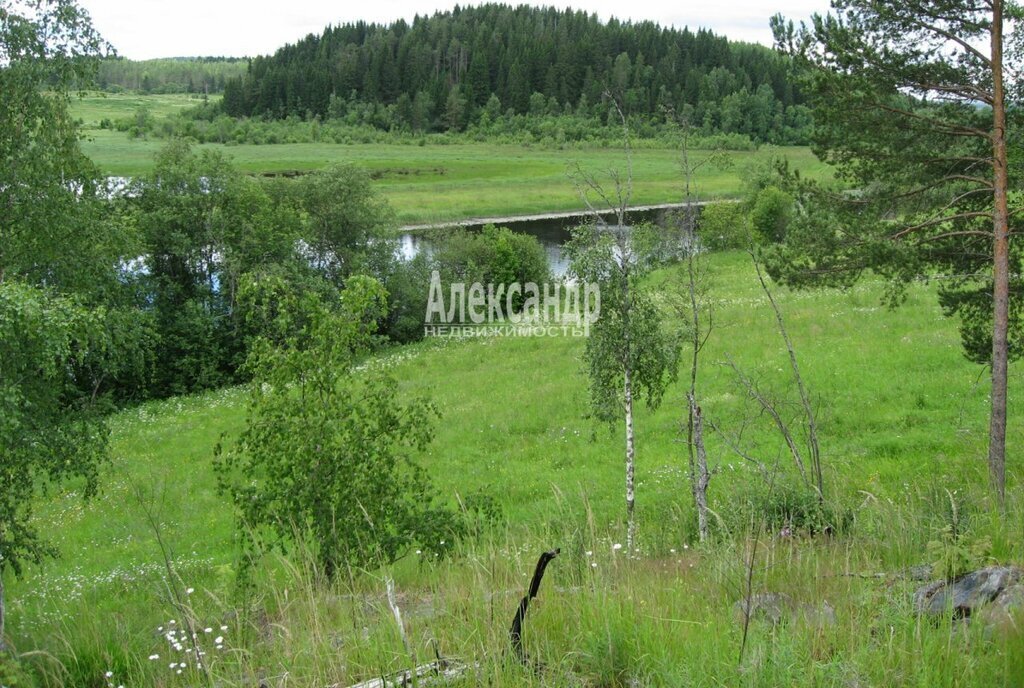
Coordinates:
<point>326,458</point>
<point>408,287</point>
<point>495,255</point>
<point>11,673</point>
<point>771,213</point>
<point>787,509</point>
<point>724,226</point>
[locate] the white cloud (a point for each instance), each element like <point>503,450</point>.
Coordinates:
<point>142,29</point>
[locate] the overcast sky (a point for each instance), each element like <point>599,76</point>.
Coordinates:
<point>141,29</point>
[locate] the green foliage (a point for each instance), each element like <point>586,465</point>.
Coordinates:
<point>183,214</point>
<point>327,454</point>
<point>406,122</point>
<point>629,337</point>
<point>905,114</point>
<point>770,214</point>
<point>408,286</point>
<point>49,431</point>
<point>169,75</point>
<point>952,555</point>
<point>724,226</point>
<point>53,242</point>
<point>53,228</point>
<point>493,255</point>
<point>345,223</point>
<point>205,229</point>
<point>12,674</point>
<point>952,552</point>
<point>558,485</point>
<point>786,509</point>
<point>517,58</point>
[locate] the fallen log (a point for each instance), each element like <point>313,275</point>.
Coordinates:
<point>437,672</point>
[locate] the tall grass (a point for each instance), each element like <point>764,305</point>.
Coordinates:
<point>601,619</point>
<point>903,436</point>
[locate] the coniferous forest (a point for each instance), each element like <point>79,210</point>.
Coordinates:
<point>445,71</point>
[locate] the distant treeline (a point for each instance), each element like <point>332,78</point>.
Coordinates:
<point>376,123</point>
<point>170,75</point>
<point>442,72</point>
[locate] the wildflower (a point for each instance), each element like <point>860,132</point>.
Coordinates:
<point>223,628</point>
<point>616,547</point>
<point>109,674</point>
<point>154,657</point>
<point>219,639</point>
<point>207,630</point>
<point>190,591</point>
<point>593,564</point>
<point>590,553</point>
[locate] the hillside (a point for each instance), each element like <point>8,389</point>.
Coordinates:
<point>444,70</point>
<point>902,422</point>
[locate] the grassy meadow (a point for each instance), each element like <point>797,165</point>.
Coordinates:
<point>903,431</point>
<point>434,183</point>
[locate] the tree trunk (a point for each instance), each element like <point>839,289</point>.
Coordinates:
<point>630,486</point>
<point>3,645</point>
<point>703,477</point>
<point>1000,265</point>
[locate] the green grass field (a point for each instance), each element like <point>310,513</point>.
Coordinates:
<point>903,420</point>
<point>436,182</point>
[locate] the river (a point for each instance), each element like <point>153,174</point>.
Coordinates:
<point>552,230</point>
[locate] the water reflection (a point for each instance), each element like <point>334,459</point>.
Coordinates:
<point>551,233</point>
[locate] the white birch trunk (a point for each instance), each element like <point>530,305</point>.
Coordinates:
<point>630,469</point>
<point>703,477</point>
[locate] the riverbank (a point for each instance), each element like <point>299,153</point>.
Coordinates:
<point>429,185</point>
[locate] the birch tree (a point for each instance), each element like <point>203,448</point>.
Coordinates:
<point>629,354</point>
<point>50,243</point>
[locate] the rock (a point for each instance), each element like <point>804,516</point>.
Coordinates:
<point>776,607</point>
<point>968,593</point>
<point>768,606</point>
<point>818,615</point>
<point>1005,616</point>
<point>921,572</point>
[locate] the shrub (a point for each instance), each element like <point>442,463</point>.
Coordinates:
<point>787,508</point>
<point>494,255</point>
<point>408,286</point>
<point>326,458</point>
<point>724,226</point>
<point>770,214</point>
